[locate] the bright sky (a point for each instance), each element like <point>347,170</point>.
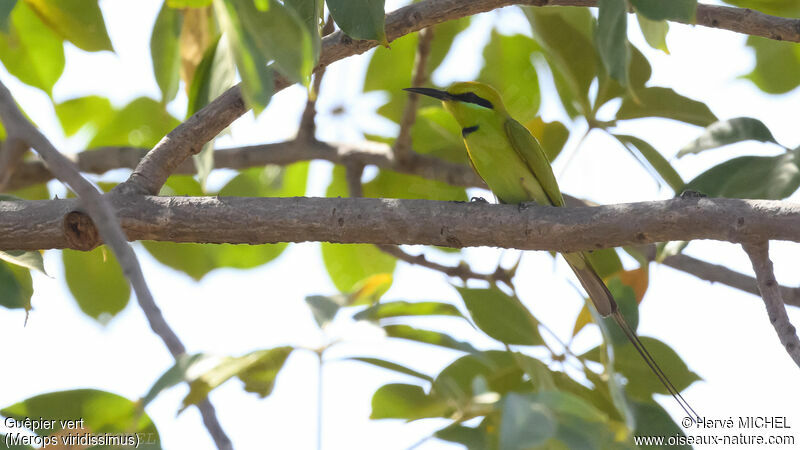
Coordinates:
<point>722,334</point>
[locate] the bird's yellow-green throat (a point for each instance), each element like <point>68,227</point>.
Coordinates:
<point>514,166</point>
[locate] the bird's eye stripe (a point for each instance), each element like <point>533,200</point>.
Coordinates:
<point>467,130</point>
<point>471,97</point>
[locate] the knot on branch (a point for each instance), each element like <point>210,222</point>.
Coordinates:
<point>80,231</point>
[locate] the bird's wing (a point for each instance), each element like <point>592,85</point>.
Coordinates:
<point>528,148</point>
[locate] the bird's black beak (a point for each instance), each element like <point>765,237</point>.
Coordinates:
<point>435,93</point>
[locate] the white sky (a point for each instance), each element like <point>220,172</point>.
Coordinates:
<point>722,334</point>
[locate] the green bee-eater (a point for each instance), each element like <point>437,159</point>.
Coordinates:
<point>512,163</point>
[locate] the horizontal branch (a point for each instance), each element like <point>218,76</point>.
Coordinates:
<point>28,225</point>
<point>103,159</point>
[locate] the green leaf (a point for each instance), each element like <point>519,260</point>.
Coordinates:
<point>96,281</point>
<point>471,438</point>
<point>777,69</point>
<point>656,161</point>
<point>436,133</point>
<point>101,412</point>
<point>664,102</point>
<point>165,51</point>
<point>93,111</point>
<point>783,8</point>
<point>257,79</point>
<point>405,401</point>
<point>759,177</point>
<point>525,423</point>
<point>78,21</point>
<point>727,132</point>
<point>390,184</point>
<point>31,51</point>
<point>257,370</point>
<point>639,73</point>
<point>141,123</point>
<point>360,19</point>
<point>196,260</point>
<point>605,261</point>
<point>310,13</point>
<point>501,316</point>
<point>403,308</point>
<point>180,4</point>
<point>31,260</point>
<point>579,424</point>
<point>612,38</point>
<point>280,36</point>
<point>323,308</point>
<point>566,36</point>
<point>176,374</point>
<point>5,14</point>
<point>427,337</point>
<point>498,369</point>
<point>16,286</point>
<point>382,363</point>
<point>680,10</point>
<point>347,264</point>
<point>654,32</point>
<point>652,420</point>
<point>508,67</point>
<point>552,135</point>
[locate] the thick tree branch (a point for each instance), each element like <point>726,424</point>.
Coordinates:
<point>770,292</point>
<point>104,222</point>
<point>189,137</point>
<point>28,225</point>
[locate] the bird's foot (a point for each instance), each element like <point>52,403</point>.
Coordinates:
<point>688,193</point>
<point>478,200</point>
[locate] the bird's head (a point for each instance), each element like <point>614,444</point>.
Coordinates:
<point>466,99</point>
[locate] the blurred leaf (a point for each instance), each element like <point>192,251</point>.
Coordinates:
<point>605,261</point>
<point>200,28</point>
<point>347,264</point>
<point>96,282</point>
<point>403,308</point>
<point>509,68</point>
<point>612,38</point>
<point>777,69</point>
<point>654,32</point>
<point>784,8</point>
<point>92,110</point>
<point>323,308</point>
<point>427,337</point>
<point>727,132</point>
<point>196,260</point>
<point>639,73</point>
<point>31,260</point>
<point>642,383</point>
<point>390,184</point>
<point>552,135</point>
<point>500,316</point>
<point>165,52</point>
<point>102,412</point>
<point>664,102</point>
<point>471,438</point>
<point>636,279</point>
<point>382,363</point>
<point>31,51</point>
<point>31,192</point>
<point>360,19</point>
<point>16,286</point>
<point>654,158</point>
<point>653,420</point>
<point>436,133</point>
<point>257,370</point>
<point>761,177</point>
<point>178,373</point>
<point>5,14</point>
<point>525,423</point>
<point>369,290</point>
<point>78,21</point>
<point>680,10</point>
<point>498,369</point>
<point>310,13</point>
<point>405,401</point>
<point>141,123</point>
<point>257,79</point>
<point>579,424</point>
<point>180,4</point>
<point>566,36</point>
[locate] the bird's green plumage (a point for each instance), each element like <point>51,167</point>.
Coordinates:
<point>514,166</point>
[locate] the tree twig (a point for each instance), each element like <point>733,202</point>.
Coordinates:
<point>462,271</point>
<point>101,213</point>
<point>11,153</point>
<point>402,146</point>
<point>770,292</point>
